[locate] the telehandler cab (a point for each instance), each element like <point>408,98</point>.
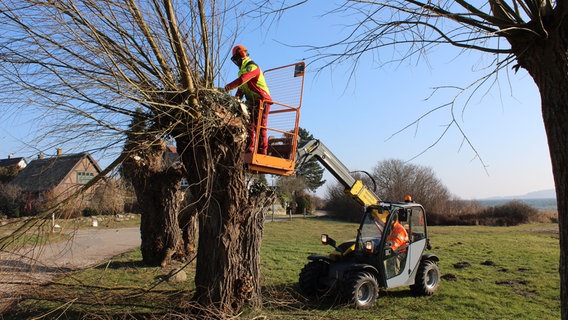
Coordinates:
<point>357,269</point>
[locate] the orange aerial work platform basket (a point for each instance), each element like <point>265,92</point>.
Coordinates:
<point>286,86</point>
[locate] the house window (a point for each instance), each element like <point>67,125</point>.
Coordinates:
<point>84,177</point>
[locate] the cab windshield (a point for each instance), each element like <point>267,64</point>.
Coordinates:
<point>371,230</point>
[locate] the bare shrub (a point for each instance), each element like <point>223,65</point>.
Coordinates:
<point>393,180</point>
<point>8,173</point>
<point>10,200</point>
<point>509,214</point>
<point>457,213</point>
<point>317,202</point>
<point>547,216</point>
<point>108,198</point>
<point>341,206</point>
<point>304,203</point>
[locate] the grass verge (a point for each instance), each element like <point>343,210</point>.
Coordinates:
<point>488,273</point>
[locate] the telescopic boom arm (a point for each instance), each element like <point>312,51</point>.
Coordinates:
<point>353,187</point>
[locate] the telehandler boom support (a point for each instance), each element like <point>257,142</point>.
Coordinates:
<point>355,188</point>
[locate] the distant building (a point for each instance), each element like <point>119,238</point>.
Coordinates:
<point>20,162</point>
<point>10,167</point>
<point>47,180</point>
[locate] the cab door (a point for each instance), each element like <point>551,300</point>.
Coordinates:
<point>400,267</point>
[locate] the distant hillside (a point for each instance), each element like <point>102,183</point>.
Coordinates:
<point>542,194</point>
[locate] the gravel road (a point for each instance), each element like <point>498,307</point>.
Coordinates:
<point>29,267</point>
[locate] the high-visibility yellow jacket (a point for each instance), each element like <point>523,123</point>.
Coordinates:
<point>251,82</point>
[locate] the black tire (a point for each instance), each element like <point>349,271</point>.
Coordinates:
<point>361,289</point>
<point>310,280</point>
<point>427,279</point>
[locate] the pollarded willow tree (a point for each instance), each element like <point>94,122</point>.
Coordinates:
<point>87,65</point>
<point>521,34</point>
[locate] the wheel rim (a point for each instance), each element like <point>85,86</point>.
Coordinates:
<point>431,278</point>
<point>365,293</point>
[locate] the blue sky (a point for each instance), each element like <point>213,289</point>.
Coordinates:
<point>357,119</point>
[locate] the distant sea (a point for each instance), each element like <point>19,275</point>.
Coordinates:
<point>540,204</point>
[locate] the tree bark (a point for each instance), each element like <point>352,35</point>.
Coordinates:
<point>555,115</point>
<point>158,191</point>
<point>188,222</point>
<point>546,60</point>
<point>231,217</point>
<point>228,263</point>
<point>160,232</point>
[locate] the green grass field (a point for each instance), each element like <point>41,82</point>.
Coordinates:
<point>512,274</point>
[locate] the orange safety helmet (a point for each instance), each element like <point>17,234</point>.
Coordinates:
<point>240,52</point>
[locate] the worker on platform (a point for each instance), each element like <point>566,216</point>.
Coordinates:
<point>252,86</point>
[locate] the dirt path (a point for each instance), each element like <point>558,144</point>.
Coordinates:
<point>30,267</point>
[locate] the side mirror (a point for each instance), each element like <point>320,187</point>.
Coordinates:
<point>325,239</point>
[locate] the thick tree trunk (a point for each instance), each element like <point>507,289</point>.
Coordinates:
<point>228,259</point>
<point>231,218</point>
<point>230,232</point>
<point>158,191</point>
<point>555,115</point>
<point>547,62</point>
<point>161,236</point>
